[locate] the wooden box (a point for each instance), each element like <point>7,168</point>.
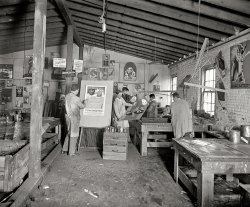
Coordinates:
<point>14,167</point>
<point>115,146</point>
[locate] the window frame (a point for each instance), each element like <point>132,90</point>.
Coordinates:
<point>172,86</point>
<point>207,92</point>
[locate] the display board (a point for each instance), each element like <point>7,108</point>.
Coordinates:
<point>99,96</point>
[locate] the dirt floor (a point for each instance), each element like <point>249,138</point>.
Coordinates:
<point>88,180</point>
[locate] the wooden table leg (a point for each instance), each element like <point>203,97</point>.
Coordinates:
<point>205,189</point>
<point>59,132</point>
<point>144,140</point>
<point>176,165</point>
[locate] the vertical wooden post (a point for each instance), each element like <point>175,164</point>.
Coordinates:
<point>80,53</point>
<point>70,33</point>
<point>37,88</point>
<point>80,58</point>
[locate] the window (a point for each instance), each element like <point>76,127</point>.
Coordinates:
<point>174,83</point>
<point>173,86</point>
<point>208,95</point>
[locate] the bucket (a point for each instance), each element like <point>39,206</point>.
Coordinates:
<point>234,136</point>
<point>245,130</point>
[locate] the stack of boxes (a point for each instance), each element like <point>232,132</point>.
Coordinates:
<point>115,145</point>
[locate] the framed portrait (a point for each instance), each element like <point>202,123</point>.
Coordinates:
<point>240,65</point>
<point>130,72</point>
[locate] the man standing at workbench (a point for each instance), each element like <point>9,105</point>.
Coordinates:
<point>181,117</point>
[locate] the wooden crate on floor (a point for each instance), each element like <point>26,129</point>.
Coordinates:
<point>14,166</point>
<point>115,146</point>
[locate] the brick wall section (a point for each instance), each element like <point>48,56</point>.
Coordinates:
<point>237,101</point>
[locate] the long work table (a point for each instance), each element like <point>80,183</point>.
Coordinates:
<point>145,129</point>
<point>210,157</point>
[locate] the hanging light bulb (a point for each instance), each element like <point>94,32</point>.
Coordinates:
<point>103,26</point>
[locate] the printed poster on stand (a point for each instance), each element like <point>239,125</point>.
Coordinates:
<point>95,97</point>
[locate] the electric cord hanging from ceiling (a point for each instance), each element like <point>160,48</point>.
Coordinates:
<point>24,44</point>
<point>198,28</point>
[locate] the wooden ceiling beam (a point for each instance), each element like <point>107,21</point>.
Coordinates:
<point>126,33</point>
<point>69,20</point>
<point>239,5</point>
<point>22,47</point>
<point>140,25</point>
<point>27,23</point>
<point>177,14</point>
<point>130,48</point>
<point>148,31</point>
<point>210,10</point>
<point>50,31</point>
<point>13,31</point>
<point>14,41</point>
<point>127,52</point>
<point>126,39</point>
<point>14,9</point>
<point>25,17</point>
<point>116,12</point>
<point>131,44</point>
<point>123,51</point>
<point>15,2</point>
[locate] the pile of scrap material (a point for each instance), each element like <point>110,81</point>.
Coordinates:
<point>201,117</point>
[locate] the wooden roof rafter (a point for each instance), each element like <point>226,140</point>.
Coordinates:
<point>68,19</point>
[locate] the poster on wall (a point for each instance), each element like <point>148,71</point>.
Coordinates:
<point>240,65</point>
<point>6,71</point>
<point>93,73</point>
<point>9,83</point>
<point>19,102</point>
<point>78,64</point>
<point>103,74</point>
<point>59,62</point>
<point>95,97</point>
<point>6,95</point>
<point>130,72</point>
<point>27,66</point>
<point>19,91</point>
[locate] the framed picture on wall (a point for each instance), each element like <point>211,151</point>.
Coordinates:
<point>240,65</point>
<point>6,71</point>
<point>130,72</point>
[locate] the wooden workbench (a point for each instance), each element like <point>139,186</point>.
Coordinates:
<point>159,127</point>
<point>210,157</point>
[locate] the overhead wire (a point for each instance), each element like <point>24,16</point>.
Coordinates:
<point>198,27</point>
